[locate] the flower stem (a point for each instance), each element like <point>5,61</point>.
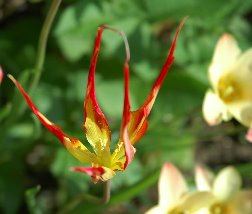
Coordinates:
<point>43,42</point>
<point>18,105</point>
<point>90,198</point>
<point>106,194</point>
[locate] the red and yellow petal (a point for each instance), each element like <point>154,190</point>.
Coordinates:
<point>124,152</point>
<point>138,119</point>
<point>118,158</point>
<point>96,126</point>
<point>73,145</point>
<point>97,173</point>
<point>134,124</point>
<point>124,134</point>
<point>95,122</point>
<point>128,149</point>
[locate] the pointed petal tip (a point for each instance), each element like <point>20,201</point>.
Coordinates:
<point>203,178</point>
<point>171,185</point>
<point>226,53</point>
<point>249,135</point>
<point>198,169</point>
<point>168,166</point>
<point>138,123</point>
<point>124,37</point>
<point>184,20</point>
<point>226,37</point>
<point>11,78</point>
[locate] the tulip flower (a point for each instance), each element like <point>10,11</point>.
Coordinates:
<point>174,195</point>
<point>133,127</point>
<point>230,75</point>
<point>226,188</point>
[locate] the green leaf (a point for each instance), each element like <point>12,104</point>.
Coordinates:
<point>72,181</point>
<point>132,175</point>
<point>30,195</point>
<point>77,27</point>
<point>177,9</point>
<point>78,24</point>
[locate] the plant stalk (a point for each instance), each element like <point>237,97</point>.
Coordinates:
<point>18,104</point>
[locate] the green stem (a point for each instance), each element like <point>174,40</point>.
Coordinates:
<point>118,197</point>
<point>106,194</point>
<point>90,198</point>
<point>43,42</point>
<point>18,104</point>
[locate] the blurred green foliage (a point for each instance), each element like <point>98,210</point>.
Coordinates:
<point>31,156</point>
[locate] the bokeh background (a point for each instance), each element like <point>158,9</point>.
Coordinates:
<point>34,166</point>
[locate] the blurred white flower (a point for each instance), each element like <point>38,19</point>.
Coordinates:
<point>174,196</point>
<point>226,188</point>
<point>230,74</point>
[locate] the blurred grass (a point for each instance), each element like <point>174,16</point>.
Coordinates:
<point>31,156</point>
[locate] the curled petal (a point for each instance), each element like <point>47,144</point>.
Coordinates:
<point>95,122</point>
<point>138,119</point>
<point>124,152</point>
<point>214,110</point>
<point>73,145</point>
<point>204,178</point>
<point>97,173</point>
<point>171,186</point>
<point>225,54</point>
<point>227,184</point>
<point>129,149</point>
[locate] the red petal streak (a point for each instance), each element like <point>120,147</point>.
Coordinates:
<point>129,149</point>
<point>138,119</point>
<point>56,130</point>
<point>94,172</point>
<point>91,107</point>
<point>124,136</point>
<point>1,75</point>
